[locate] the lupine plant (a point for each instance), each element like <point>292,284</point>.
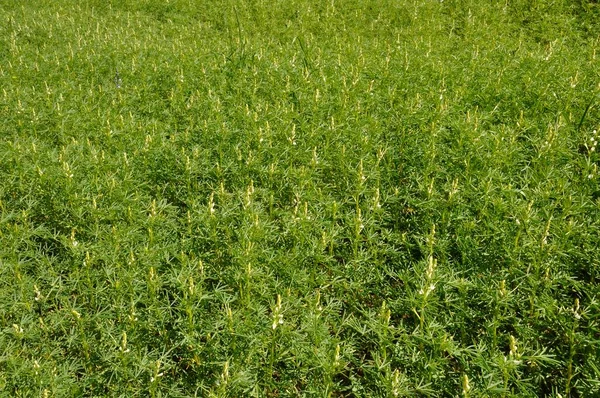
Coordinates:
<point>363,198</point>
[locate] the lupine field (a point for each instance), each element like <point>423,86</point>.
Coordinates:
<point>361,198</point>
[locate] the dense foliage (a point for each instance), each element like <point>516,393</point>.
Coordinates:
<point>299,198</point>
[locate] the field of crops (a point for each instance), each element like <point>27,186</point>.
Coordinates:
<point>361,198</point>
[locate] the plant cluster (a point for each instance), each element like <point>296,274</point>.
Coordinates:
<point>300,198</point>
